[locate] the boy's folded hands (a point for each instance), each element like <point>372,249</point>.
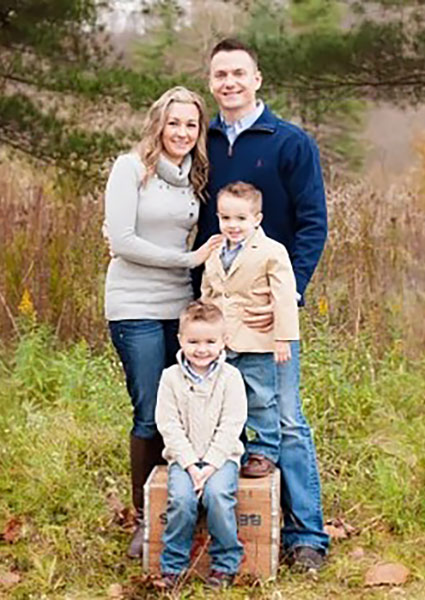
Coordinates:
<point>200,476</point>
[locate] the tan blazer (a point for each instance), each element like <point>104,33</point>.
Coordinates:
<point>261,263</point>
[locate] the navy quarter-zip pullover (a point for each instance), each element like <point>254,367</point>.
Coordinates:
<point>282,161</point>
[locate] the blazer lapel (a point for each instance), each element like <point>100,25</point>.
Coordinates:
<point>236,263</point>
<point>217,264</point>
<point>251,244</point>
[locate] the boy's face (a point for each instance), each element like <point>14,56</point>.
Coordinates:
<point>201,343</point>
<point>237,218</point>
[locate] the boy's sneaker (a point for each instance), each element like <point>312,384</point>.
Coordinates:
<point>304,559</point>
<point>219,581</point>
<point>168,581</point>
<point>257,466</point>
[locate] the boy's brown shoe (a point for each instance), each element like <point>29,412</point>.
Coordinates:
<point>219,581</point>
<point>257,466</point>
<point>168,581</point>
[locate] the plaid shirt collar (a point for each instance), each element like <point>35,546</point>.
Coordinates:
<point>192,374</point>
<point>228,255</point>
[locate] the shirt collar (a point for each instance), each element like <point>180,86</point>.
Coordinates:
<point>246,121</point>
<point>192,374</point>
<point>225,248</point>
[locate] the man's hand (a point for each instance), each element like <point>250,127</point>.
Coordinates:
<point>261,317</point>
<point>282,351</point>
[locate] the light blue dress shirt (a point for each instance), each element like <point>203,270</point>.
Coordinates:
<point>234,129</point>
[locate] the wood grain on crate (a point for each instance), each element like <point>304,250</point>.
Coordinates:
<point>258,515</point>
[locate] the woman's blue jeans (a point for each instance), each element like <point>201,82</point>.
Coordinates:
<point>219,501</point>
<point>300,492</point>
<point>145,347</point>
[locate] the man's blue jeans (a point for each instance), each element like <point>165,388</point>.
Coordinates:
<point>301,496</point>
<point>262,429</point>
<point>219,500</point>
<point>145,347</point>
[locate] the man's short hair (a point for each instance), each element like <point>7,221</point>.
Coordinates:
<point>246,191</point>
<point>200,311</point>
<point>230,44</point>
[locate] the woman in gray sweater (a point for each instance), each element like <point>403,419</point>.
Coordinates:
<point>152,205</point>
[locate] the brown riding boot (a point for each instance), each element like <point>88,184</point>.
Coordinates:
<point>140,463</point>
<point>144,455</point>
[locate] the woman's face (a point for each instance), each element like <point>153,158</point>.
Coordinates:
<point>181,131</point>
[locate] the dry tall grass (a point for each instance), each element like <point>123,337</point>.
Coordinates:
<point>52,255</point>
<point>371,277</point>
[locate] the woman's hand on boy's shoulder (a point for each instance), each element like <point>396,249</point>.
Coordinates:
<point>203,253</point>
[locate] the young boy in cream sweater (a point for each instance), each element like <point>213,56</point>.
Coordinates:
<point>200,413</point>
<point>235,279</point>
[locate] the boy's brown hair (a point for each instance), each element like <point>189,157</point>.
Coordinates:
<point>200,311</point>
<point>246,191</point>
<point>230,44</point>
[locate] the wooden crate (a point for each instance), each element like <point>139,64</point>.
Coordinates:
<point>258,515</point>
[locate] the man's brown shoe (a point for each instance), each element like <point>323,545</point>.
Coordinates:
<point>257,466</point>
<point>304,559</point>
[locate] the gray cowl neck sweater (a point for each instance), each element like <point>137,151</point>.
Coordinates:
<point>148,277</point>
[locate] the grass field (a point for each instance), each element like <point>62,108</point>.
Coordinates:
<point>64,422</point>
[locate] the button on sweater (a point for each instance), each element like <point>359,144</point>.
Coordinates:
<point>148,227</point>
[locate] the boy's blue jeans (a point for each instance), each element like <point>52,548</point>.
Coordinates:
<point>300,491</point>
<point>262,429</point>
<point>146,347</point>
<point>219,500</point>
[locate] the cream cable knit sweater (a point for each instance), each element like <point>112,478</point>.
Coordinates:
<point>201,421</point>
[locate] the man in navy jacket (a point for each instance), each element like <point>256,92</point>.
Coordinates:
<point>247,142</point>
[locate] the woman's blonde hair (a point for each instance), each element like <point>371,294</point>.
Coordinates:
<point>151,145</point>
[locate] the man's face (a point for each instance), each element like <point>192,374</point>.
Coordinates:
<point>234,81</point>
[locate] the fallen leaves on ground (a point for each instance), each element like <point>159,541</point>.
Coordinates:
<point>145,581</point>
<point>387,574</point>
<point>357,553</point>
<point>9,578</point>
<point>115,591</point>
<point>338,529</point>
<point>121,514</point>
<point>12,530</point>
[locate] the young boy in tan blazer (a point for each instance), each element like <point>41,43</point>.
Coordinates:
<point>235,279</point>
